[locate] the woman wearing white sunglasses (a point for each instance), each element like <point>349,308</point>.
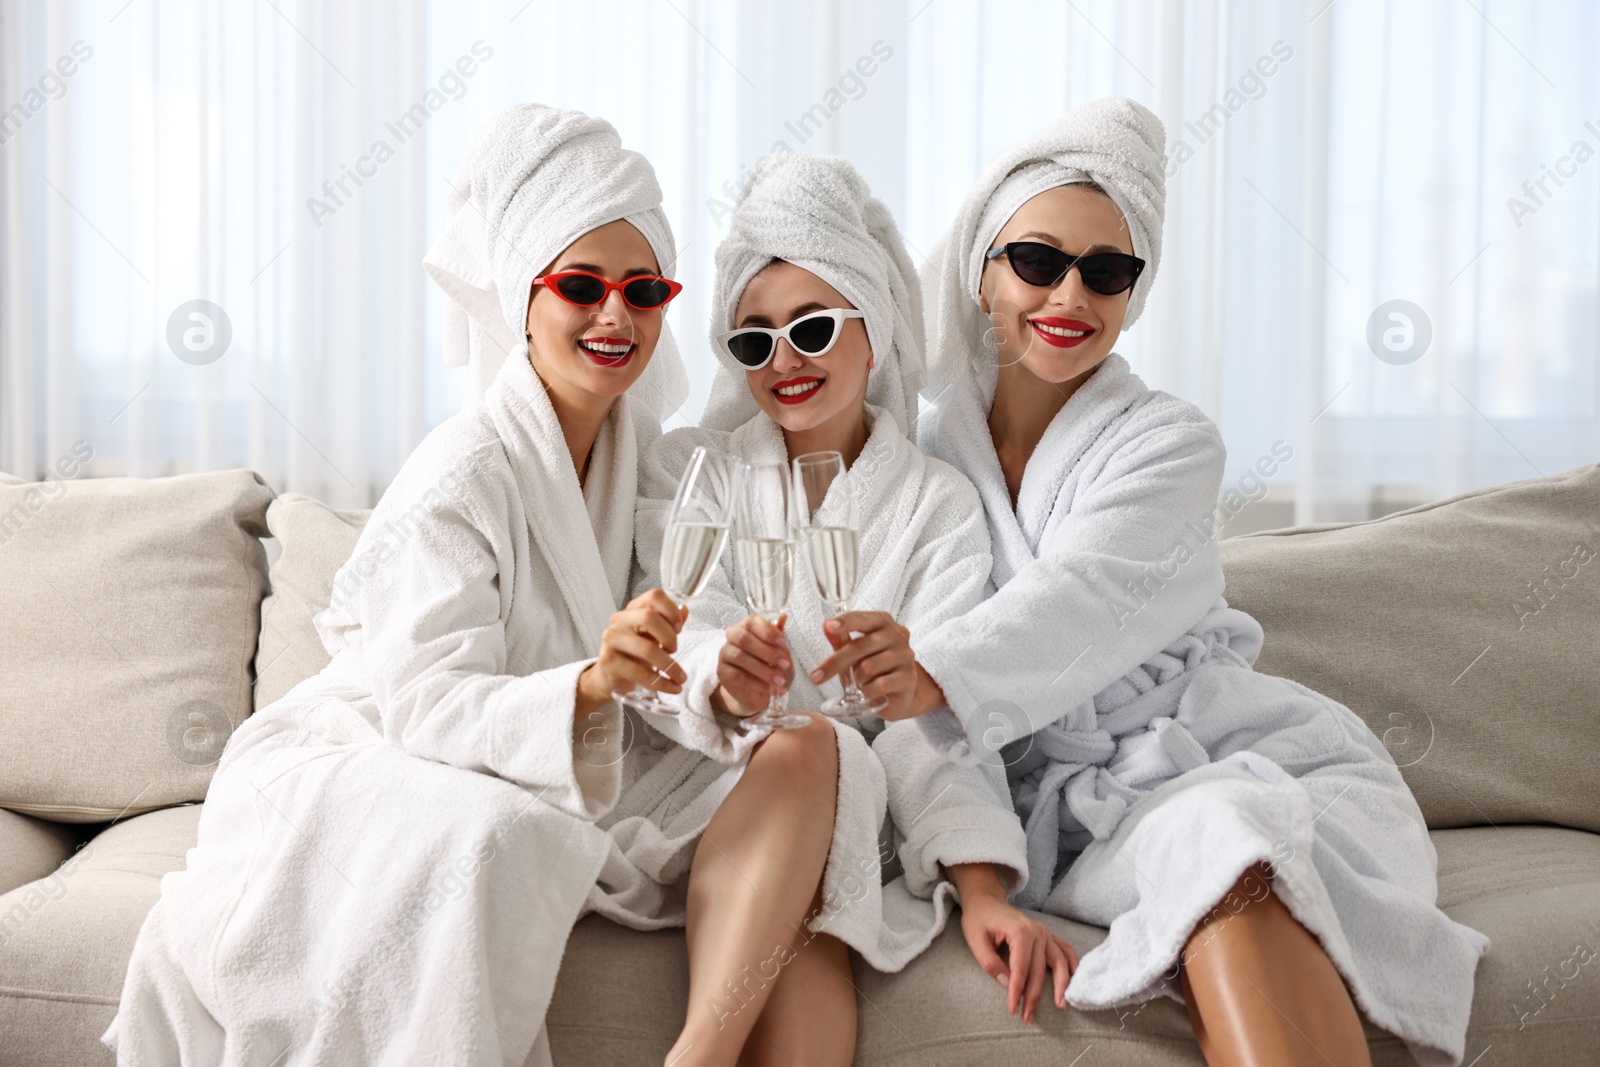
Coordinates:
<point>817,324</point>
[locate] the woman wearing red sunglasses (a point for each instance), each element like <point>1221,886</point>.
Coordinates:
<point>1250,844</point>
<point>416,823</point>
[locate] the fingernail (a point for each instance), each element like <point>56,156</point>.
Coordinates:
<point>816,675</point>
<point>777,679</point>
<point>1002,979</point>
<point>782,663</point>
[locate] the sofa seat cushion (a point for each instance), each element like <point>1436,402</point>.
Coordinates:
<point>31,848</point>
<point>941,1010</point>
<point>65,939</point>
<point>1534,891</point>
<point>133,606</point>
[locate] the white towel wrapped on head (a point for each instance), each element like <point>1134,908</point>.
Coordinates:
<point>535,180</point>
<point>817,213</point>
<point>1115,143</point>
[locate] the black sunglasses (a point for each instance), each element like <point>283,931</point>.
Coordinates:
<point>1106,273</point>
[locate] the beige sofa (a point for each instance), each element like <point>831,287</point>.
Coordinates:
<point>139,624</point>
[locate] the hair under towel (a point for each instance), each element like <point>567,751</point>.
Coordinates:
<point>1114,142</point>
<point>817,213</point>
<point>535,180</point>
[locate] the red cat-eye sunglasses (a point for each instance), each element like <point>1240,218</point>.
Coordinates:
<point>644,292</point>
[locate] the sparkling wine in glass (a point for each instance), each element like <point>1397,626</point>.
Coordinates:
<point>765,547</point>
<point>825,512</point>
<point>697,531</point>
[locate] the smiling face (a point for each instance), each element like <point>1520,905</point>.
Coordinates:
<point>595,351</point>
<point>805,393</point>
<point>1058,334</point>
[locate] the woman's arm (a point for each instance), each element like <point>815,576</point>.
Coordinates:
<point>1129,570</point>
<point>988,921</point>
<point>432,635</point>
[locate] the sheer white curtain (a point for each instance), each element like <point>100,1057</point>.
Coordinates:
<point>286,161</point>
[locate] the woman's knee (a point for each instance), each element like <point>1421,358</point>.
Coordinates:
<point>1250,899</point>
<point>808,756</point>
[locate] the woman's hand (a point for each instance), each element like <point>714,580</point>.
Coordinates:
<point>988,921</point>
<point>636,648</point>
<point>884,665</point>
<point>754,664</point>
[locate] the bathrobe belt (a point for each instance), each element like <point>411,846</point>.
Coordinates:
<point>1096,774</point>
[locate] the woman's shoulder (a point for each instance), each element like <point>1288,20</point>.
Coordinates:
<point>944,486</point>
<point>462,460</point>
<point>1161,440</point>
<point>685,439</point>
<point>663,460</point>
<point>941,489</point>
<point>1160,420</point>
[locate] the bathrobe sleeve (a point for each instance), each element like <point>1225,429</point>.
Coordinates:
<point>700,727</point>
<point>1127,564</point>
<point>432,632</point>
<point>944,812</point>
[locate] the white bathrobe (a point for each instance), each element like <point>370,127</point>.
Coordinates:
<point>924,558</point>
<point>1150,763</point>
<point>391,856</point>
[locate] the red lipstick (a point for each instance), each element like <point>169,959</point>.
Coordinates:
<point>1044,325</point>
<point>607,359</point>
<point>811,380</point>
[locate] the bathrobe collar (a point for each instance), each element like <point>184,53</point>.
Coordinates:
<point>586,532</point>
<point>1100,403</point>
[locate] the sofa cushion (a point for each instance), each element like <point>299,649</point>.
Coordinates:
<point>315,540</point>
<point>1464,632</point>
<point>1534,891</point>
<point>31,848</point>
<point>132,611</point>
<point>65,939</point>
<point>941,1010</point>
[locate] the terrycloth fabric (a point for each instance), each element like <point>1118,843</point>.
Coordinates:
<point>1114,142</point>
<point>924,559</point>
<point>391,856</point>
<point>1150,764</point>
<point>817,213</point>
<point>535,180</point>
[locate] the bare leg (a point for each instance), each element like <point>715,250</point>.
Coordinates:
<point>755,872</point>
<point>1260,989</point>
<point>810,1020</point>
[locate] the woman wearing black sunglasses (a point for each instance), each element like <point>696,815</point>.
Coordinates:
<point>1249,843</point>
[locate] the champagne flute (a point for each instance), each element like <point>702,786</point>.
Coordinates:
<point>697,531</point>
<point>829,531</point>
<point>765,546</point>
